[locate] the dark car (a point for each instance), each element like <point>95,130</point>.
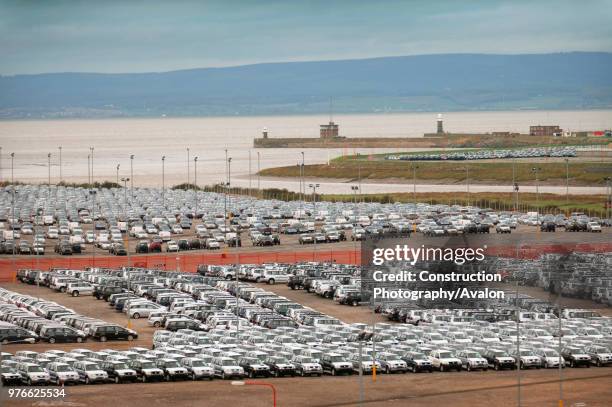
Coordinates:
<point>9,376</point>
<point>113,332</point>
<point>16,334</point>
<point>119,372</point>
<point>417,362</point>
<point>195,244</point>
<point>25,248</point>
<point>499,359</point>
<point>183,244</point>
<point>547,227</point>
<point>172,369</point>
<point>576,357</point>
<point>280,366</point>
<point>254,368</point>
<point>146,370</point>
<point>142,247</point>
<point>104,292</point>
<point>53,334</point>
<point>76,248</point>
<point>65,249</point>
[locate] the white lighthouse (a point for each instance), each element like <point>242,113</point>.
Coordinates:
<point>440,124</point>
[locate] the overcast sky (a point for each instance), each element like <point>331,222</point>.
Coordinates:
<point>162,35</point>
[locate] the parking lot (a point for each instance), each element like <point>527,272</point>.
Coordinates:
<point>539,387</point>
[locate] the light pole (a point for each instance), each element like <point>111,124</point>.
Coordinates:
<point>195,183</point>
<point>258,173</point>
<point>414,168</point>
<point>60,163</point>
<point>132,175</point>
<point>314,211</point>
<point>567,180</point>
<point>0,164</point>
<point>536,171</point>
<point>13,203</point>
<point>302,182</point>
<point>89,169</point>
<point>49,170</point>
<point>117,182</point>
<point>467,182</point>
<point>92,164</point>
<point>93,193</point>
<point>608,197</point>
<point>127,221</point>
<point>188,167</point>
<point>250,173</point>
<point>163,180</point>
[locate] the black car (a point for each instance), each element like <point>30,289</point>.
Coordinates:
<point>280,366</point>
<point>15,334</point>
<point>142,247</point>
<point>146,370</point>
<point>547,227</point>
<point>53,334</point>
<point>9,376</point>
<point>254,368</point>
<point>104,292</point>
<point>499,359</point>
<point>576,357</point>
<point>417,362</point>
<point>183,244</point>
<point>113,332</point>
<point>65,249</point>
<point>119,372</point>
<point>195,244</point>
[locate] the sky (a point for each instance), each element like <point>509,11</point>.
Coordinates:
<point>113,36</point>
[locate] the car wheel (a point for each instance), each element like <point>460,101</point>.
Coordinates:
<point>130,338</point>
<point>387,370</point>
<point>441,368</point>
<point>51,340</point>
<point>572,364</point>
<point>333,372</point>
<point>522,366</point>
<point>144,378</point>
<point>117,380</point>
<point>87,380</point>
<point>271,281</point>
<point>223,376</point>
<point>599,363</point>
<point>167,377</point>
<point>5,341</point>
<point>251,374</point>
<point>156,324</point>
<point>29,382</point>
<point>545,365</point>
<point>103,338</point>
<point>136,315</point>
<point>75,293</point>
<point>469,368</point>
<point>193,376</point>
<point>79,339</point>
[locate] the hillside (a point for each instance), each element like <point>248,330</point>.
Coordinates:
<point>414,83</point>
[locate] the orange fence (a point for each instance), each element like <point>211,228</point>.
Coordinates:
<point>183,261</point>
<point>189,261</point>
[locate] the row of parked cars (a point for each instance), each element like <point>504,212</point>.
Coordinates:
<point>27,319</point>
<point>488,154</point>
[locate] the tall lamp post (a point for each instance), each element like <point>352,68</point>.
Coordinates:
<point>195,184</point>
<point>60,163</point>
<point>49,170</point>
<point>132,175</point>
<point>92,164</point>
<point>302,181</point>
<point>608,197</point>
<point>118,165</point>
<point>163,180</point>
<point>127,221</point>
<point>188,166</point>
<point>567,180</point>
<point>536,171</point>
<point>13,192</point>
<point>314,211</point>
<point>93,193</point>
<point>467,182</point>
<point>258,173</point>
<point>414,168</point>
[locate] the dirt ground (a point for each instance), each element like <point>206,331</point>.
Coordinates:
<point>581,387</point>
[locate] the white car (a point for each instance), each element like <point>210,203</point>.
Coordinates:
<point>550,358</point>
<point>471,360</point>
<point>79,288</point>
<point>444,361</point>
<point>172,246</point>
<point>593,227</point>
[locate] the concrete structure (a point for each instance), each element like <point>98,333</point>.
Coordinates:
<point>265,132</point>
<point>545,131</point>
<point>440,124</point>
<point>329,130</point>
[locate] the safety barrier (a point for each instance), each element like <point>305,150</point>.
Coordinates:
<point>183,261</point>
<point>189,261</point>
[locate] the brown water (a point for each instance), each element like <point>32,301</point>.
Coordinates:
<point>148,139</point>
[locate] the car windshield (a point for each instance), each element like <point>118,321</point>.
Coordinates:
<point>488,335</point>
<point>417,356</point>
<point>526,353</point>
<point>147,365</point>
<point>460,335</point>
<point>500,353</point>
<point>119,366</point>
<point>472,355</point>
<point>445,355</point>
<point>436,337</point>
<point>91,368</point>
<point>63,368</point>
<point>197,363</point>
<point>367,358</point>
<point>307,360</point>
<point>336,358</point>
<point>228,362</point>
<point>550,353</point>
<point>171,363</point>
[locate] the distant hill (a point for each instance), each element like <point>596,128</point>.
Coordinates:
<point>446,82</point>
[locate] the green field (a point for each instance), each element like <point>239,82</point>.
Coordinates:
<point>551,172</point>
